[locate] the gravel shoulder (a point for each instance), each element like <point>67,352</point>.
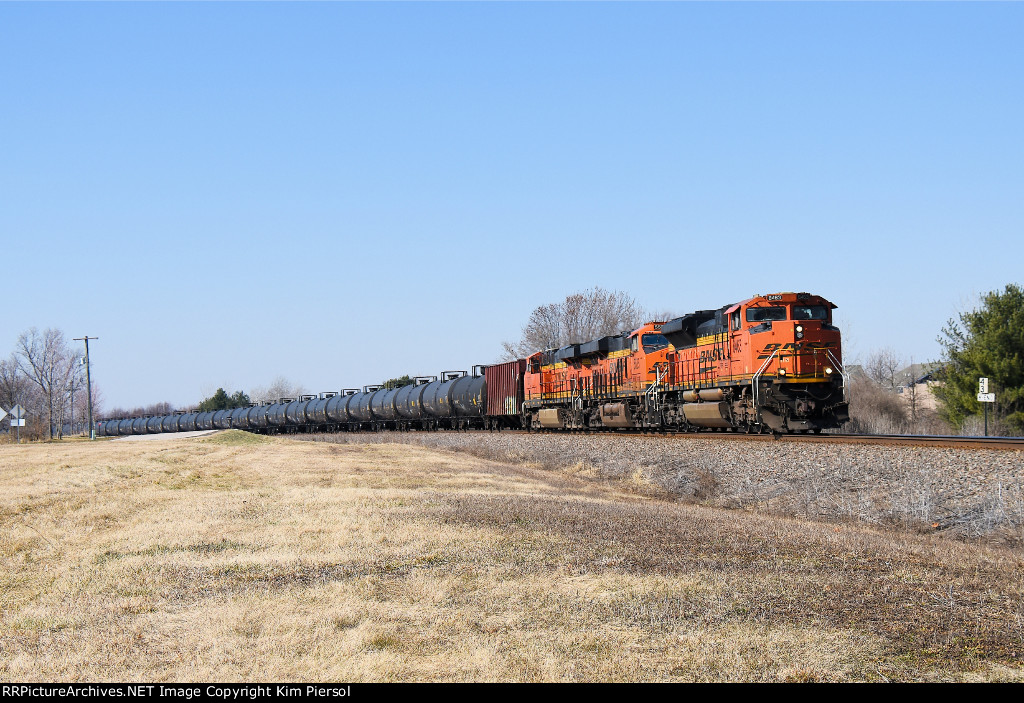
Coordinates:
<point>968,493</point>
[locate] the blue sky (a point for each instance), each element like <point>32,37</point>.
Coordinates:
<point>340,193</point>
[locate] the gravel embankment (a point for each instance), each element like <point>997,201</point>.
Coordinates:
<point>164,435</point>
<point>962,491</point>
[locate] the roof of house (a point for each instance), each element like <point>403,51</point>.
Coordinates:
<point>919,373</point>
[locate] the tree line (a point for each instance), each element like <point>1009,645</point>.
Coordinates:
<point>45,375</point>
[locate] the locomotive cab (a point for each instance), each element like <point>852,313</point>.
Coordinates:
<point>788,336</point>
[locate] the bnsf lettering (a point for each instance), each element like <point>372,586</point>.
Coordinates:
<point>793,347</point>
<point>711,355</point>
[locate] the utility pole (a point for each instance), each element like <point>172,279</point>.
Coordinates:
<point>88,381</point>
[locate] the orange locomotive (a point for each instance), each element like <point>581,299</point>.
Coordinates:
<point>770,363</point>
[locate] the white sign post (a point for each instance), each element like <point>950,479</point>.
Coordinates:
<point>985,397</point>
<point>18,419</point>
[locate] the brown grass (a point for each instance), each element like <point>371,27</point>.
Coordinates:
<point>236,557</point>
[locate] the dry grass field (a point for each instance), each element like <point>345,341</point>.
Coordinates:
<point>240,557</point>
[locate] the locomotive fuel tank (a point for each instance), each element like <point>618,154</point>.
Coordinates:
<point>616,415</point>
<point>707,414</point>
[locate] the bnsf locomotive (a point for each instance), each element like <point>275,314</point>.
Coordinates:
<point>771,363</point>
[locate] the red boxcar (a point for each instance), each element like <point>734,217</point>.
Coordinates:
<point>505,388</point>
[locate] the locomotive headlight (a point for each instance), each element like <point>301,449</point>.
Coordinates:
<point>782,372</point>
<point>799,331</point>
<point>828,370</point>
<point>799,328</point>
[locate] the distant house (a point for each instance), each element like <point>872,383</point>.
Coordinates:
<point>916,384</point>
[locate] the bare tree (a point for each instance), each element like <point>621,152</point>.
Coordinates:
<point>162,408</point>
<point>883,366</point>
<point>875,409</point>
<point>18,389</point>
<point>14,385</point>
<point>580,317</point>
<point>46,359</point>
<point>281,387</point>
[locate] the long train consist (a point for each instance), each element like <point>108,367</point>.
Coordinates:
<point>772,363</point>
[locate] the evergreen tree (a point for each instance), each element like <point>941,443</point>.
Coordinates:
<point>405,380</point>
<point>222,401</point>
<point>985,343</point>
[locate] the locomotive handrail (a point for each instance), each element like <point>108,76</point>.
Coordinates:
<point>754,383</point>
<point>842,372</point>
<point>651,394</point>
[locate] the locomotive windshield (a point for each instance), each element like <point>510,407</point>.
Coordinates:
<point>810,312</point>
<point>654,342</point>
<point>775,312</point>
